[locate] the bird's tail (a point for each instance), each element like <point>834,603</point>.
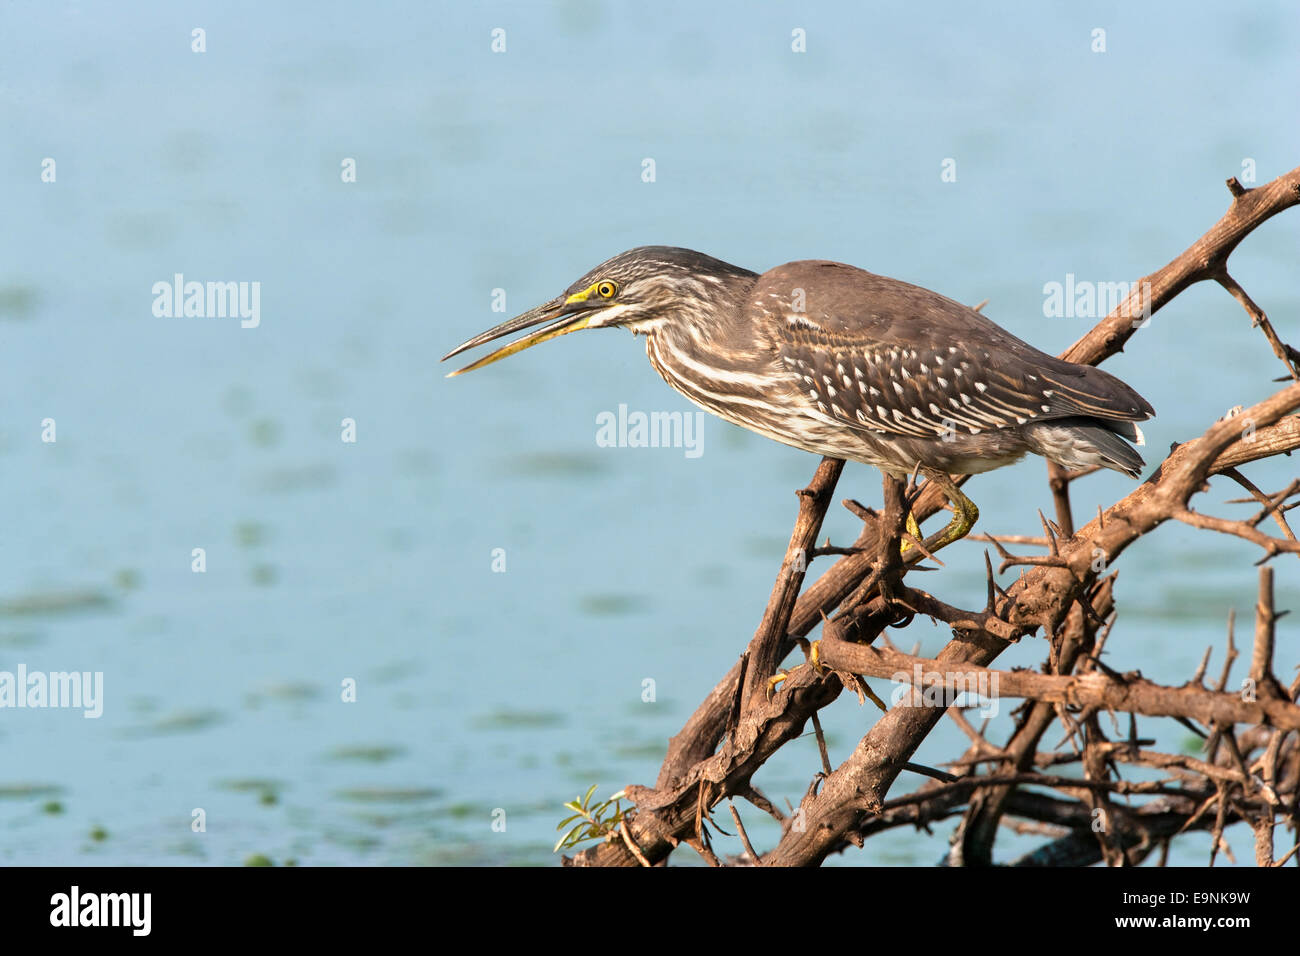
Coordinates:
<point>1080,442</point>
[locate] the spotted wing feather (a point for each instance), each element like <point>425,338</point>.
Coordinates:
<point>898,359</point>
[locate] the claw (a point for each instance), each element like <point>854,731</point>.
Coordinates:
<point>774,681</point>
<point>814,661</point>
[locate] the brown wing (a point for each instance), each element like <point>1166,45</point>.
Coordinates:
<point>897,358</point>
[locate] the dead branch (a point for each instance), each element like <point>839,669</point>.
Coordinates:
<point>937,682</point>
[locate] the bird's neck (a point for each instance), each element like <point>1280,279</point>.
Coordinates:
<point>718,314</point>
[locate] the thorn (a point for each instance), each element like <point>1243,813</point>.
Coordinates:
<point>988,571</point>
<point>1091,611</point>
<point>1051,531</point>
<point>859,510</point>
<point>908,536</point>
<point>1198,678</point>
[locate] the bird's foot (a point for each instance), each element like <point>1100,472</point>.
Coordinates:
<point>914,530</point>
<point>964,513</point>
<point>814,661</point>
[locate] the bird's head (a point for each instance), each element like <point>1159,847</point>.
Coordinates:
<point>639,289</point>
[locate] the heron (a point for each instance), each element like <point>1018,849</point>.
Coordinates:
<point>843,363</point>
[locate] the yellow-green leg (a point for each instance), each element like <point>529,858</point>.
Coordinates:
<point>964,516</point>
<point>964,512</point>
<point>814,658</point>
<point>914,530</point>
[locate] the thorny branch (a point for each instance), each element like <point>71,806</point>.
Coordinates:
<point>1248,772</point>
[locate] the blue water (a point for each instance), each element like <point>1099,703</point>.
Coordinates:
<point>485,697</point>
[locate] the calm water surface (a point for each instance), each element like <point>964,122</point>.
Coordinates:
<point>372,561</point>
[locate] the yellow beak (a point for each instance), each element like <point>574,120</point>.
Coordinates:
<point>555,309</point>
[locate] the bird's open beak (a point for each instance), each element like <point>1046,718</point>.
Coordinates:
<point>560,308</point>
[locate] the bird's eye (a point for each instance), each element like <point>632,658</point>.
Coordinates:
<point>606,290</point>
